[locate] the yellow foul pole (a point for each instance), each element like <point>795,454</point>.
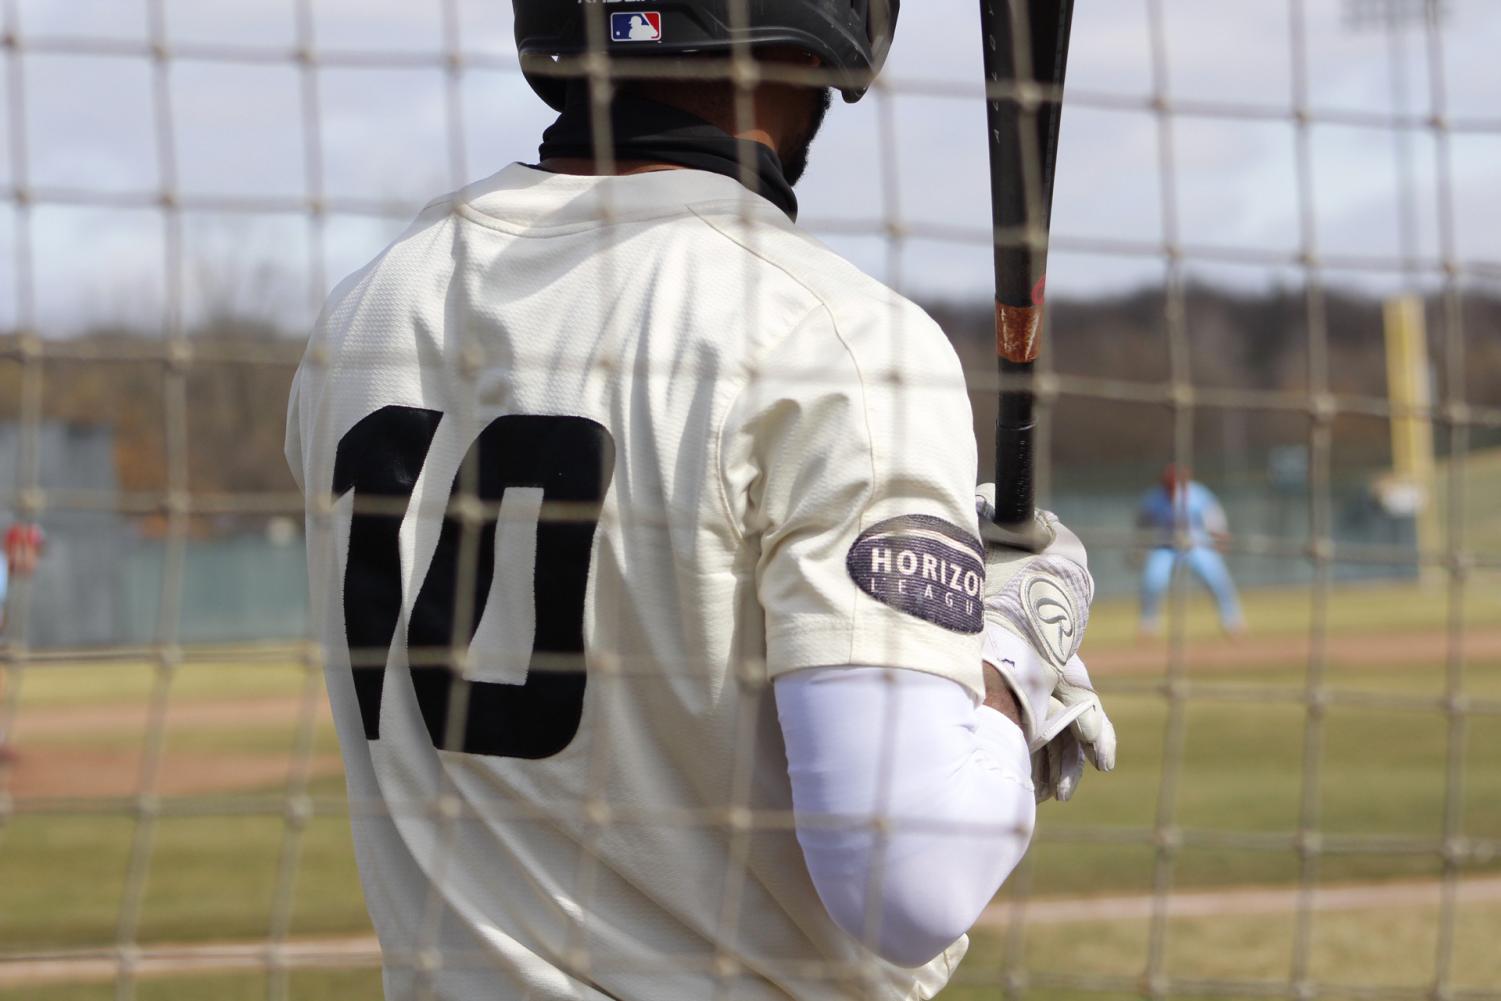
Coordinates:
<point>1408,383</point>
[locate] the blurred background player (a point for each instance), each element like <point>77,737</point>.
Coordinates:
<point>6,753</point>
<point>24,542</point>
<point>19,556</point>
<point>1190,528</point>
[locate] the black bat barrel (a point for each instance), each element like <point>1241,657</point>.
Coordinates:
<point>1023,123</point>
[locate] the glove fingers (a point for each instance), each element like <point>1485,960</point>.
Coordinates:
<point>1055,770</point>
<point>1076,675</point>
<point>1070,766</point>
<point>1091,720</point>
<point>1100,748</point>
<point>1092,727</point>
<point>1042,782</point>
<point>1093,757</point>
<point>1103,747</point>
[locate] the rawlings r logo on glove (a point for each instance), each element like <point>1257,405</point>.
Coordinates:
<point>1049,608</point>
<point>1036,612</point>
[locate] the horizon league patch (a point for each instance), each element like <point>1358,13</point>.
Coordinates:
<point>925,567</point>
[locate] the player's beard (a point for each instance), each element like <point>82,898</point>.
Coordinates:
<point>795,156</point>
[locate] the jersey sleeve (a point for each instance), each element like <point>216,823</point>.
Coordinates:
<point>850,458</point>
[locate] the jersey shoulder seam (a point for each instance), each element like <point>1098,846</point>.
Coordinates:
<point>823,304</point>
<point>719,475</point>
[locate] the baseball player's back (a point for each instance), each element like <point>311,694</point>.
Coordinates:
<point>587,459</point>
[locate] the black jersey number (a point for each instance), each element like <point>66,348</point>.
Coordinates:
<point>571,460</point>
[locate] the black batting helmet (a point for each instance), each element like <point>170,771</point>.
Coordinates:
<point>851,37</point>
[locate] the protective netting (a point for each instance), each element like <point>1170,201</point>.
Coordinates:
<point>169,809</point>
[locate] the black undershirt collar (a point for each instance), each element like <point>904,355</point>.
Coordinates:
<point>656,133</point>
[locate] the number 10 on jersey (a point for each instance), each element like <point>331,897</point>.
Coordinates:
<point>571,461</point>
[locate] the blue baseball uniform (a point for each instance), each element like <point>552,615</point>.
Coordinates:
<point>1193,510</point>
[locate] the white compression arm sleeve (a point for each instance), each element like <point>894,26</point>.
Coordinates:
<point>912,804</point>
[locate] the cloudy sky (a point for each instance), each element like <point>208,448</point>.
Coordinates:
<point>239,140</point>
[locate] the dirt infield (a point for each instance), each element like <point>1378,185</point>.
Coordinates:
<point>95,965</point>
<point>68,772</point>
<point>65,721</point>
<point>107,756</point>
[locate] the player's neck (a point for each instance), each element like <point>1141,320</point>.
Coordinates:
<point>589,167</point>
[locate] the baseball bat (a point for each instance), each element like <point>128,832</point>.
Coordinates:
<point>1026,43</point>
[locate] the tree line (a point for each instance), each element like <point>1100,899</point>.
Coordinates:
<point>231,388</point>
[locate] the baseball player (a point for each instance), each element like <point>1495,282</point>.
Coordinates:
<point>7,753</point>
<point>20,551</point>
<point>1181,506</point>
<point>666,656</point>
<point>24,544</point>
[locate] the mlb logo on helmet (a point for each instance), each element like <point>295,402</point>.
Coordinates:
<point>644,26</point>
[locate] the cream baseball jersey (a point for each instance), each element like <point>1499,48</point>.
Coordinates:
<point>589,462</point>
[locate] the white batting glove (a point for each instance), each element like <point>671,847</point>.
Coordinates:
<point>1061,737</point>
<point>1071,736</point>
<point>1042,600</point>
<point>1058,766</point>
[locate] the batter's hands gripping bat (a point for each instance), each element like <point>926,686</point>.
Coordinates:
<point>1026,53</point>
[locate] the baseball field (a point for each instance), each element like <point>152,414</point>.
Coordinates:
<point>1219,770</point>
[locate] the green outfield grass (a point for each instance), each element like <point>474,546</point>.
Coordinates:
<point>1354,609</point>
<point>1241,771</point>
<point>213,876</point>
<point>1375,948</point>
<point>203,675</point>
<point>62,879</point>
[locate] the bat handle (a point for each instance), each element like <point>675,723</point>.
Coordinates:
<point>1015,494</point>
<point>1014,522</point>
<point>1014,519</point>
